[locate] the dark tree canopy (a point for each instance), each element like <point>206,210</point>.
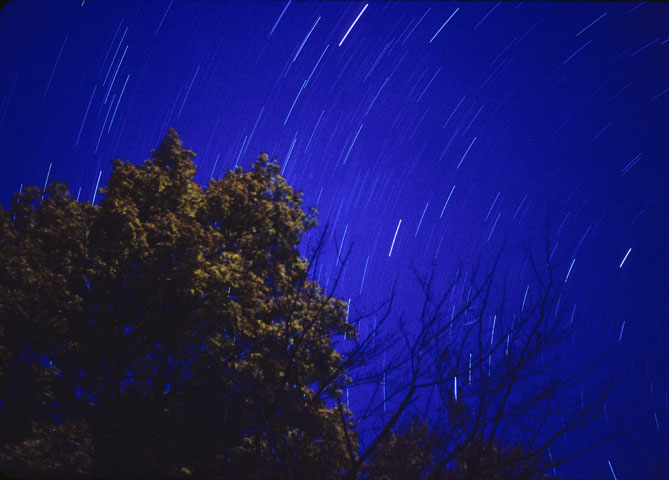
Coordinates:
<point>417,450</point>
<point>172,330</point>
<point>175,323</point>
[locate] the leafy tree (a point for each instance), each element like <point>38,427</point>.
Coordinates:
<point>405,454</point>
<point>417,450</point>
<point>173,330</point>
<point>175,325</point>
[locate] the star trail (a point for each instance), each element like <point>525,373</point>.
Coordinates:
<point>548,117</point>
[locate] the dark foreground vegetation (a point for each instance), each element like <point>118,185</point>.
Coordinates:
<point>175,331</point>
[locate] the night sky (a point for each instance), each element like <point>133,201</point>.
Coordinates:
<point>425,132</point>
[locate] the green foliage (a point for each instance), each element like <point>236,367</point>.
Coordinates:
<point>175,324</point>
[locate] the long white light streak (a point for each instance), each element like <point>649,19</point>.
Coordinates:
<point>294,102</point>
<point>492,206</point>
<point>341,244</point>
<point>353,24</point>
<point>525,298</point>
<point>570,267</point>
<point>118,103</point>
<point>449,197</point>
<point>215,163</point>
<point>352,143</point>
<point>621,263</point>
<point>453,112</point>
<point>256,124</point>
<point>644,47</point>
<point>376,96</point>
<point>305,39</point>
<point>285,163</point>
<point>573,54</point>
<point>572,315</point>
<point>319,61</point>
<point>492,333</point>
<point>393,244</point>
<point>47,176</point>
<point>111,64</point>
<point>633,162</point>
<point>493,226</point>
<point>111,104</point>
<point>278,19</point>
<point>312,133</point>
<point>188,91</point>
<point>85,115</point>
<point>364,273</point>
<point>591,24</point>
<point>239,155</point>
<point>163,19</point>
<point>421,219</point>
<point>463,157</point>
<point>440,28</point>
<point>54,67</point>
<point>111,84</point>
<point>97,184</point>
<point>614,473</point>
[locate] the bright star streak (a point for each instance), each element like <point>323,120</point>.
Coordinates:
<point>621,263</point>
<point>47,177</point>
<point>363,274</point>
<point>278,19</point>
<point>305,39</point>
<point>463,157</point>
<point>435,35</point>
<point>570,267</point>
<point>85,115</point>
<point>96,188</point>
<point>421,219</point>
<point>449,197</point>
<point>595,21</point>
<point>352,143</point>
<point>393,244</point>
<point>614,473</point>
<point>525,298</point>
<point>353,24</point>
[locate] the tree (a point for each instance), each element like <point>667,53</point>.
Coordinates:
<point>175,324</point>
<point>408,453</point>
<point>173,330</point>
<point>417,450</point>
<point>485,372</point>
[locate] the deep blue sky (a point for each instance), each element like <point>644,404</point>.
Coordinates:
<point>493,107</point>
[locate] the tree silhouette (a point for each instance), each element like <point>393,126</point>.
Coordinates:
<point>174,324</point>
<point>173,330</point>
<point>417,452</point>
<point>487,375</point>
